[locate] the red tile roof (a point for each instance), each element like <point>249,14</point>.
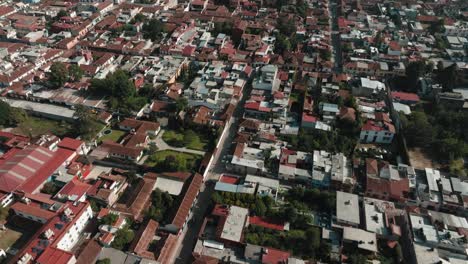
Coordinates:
<point>229,179</point>
<point>89,253</point>
<point>266,223</point>
<point>256,106</point>
<point>71,144</point>
<point>309,118</point>
<point>402,96</point>
<point>275,256</point>
<point>58,226</point>
<point>24,166</point>
<point>143,239</point>
<point>188,200</point>
<point>75,187</point>
<point>32,210</point>
<point>42,174</point>
<point>55,256</point>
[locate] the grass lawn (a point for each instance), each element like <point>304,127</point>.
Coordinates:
<point>114,136</point>
<point>179,139</point>
<point>158,158</point>
<point>35,126</point>
<point>8,238</point>
<point>171,135</point>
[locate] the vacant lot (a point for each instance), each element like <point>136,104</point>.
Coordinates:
<point>188,139</point>
<point>35,126</point>
<point>420,159</point>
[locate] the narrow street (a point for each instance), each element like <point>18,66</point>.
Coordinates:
<point>334,9</point>
<point>203,202</point>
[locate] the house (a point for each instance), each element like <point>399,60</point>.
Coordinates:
<point>61,231</point>
<point>107,188</point>
<point>247,160</point>
<point>367,87</point>
<point>361,239</point>
<point>268,80</point>
<point>295,165</point>
<point>141,194</point>
<point>265,255</point>
<point>308,121</point>
<point>75,190</point>
<point>379,130</point>
<point>347,113</point>
<point>410,99</point>
<point>347,209</point>
<point>329,112</point>
<point>140,127</point>
<point>451,100</point>
<point>27,169</point>
<point>387,182</point>
<point>231,224</point>
<point>145,235</point>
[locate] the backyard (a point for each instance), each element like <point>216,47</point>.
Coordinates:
<point>112,135</point>
<point>169,160</point>
<point>187,138</point>
<point>9,237</point>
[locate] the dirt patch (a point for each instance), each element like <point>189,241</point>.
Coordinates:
<point>420,159</point>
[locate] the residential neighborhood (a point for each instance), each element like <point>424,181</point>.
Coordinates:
<point>245,132</point>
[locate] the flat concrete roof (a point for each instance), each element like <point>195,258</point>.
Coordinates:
<point>366,240</point>
<point>235,222</point>
<point>45,109</point>
<point>173,187</point>
<point>347,208</point>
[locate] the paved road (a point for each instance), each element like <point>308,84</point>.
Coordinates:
<point>334,10</point>
<point>217,167</point>
<point>162,145</point>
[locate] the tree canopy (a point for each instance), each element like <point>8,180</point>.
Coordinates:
<point>58,74</point>
<point>123,237</point>
<point>153,30</point>
<point>161,203</point>
<point>6,114</point>
<point>86,123</point>
<point>121,92</point>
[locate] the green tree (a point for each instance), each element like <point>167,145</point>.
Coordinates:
<point>104,261</point>
<point>86,124</point>
<point>313,237</point>
<point>418,131</point>
<point>122,238</point>
<point>139,18</point>
<point>123,87</point>
<point>58,74</point>
<point>153,30</point>
<point>62,13</point>
<point>181,104</point>
<point>49,188</point>
<point>447,77</point>
<point>109,219</point>
<point>325,54</point>
<point>282,44</point>
<point>414,71</point>
<point>260,208</point>
<point>6,113</point>
<point>286,26</point>
<point>437,27</point>
<point>75,72</point>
